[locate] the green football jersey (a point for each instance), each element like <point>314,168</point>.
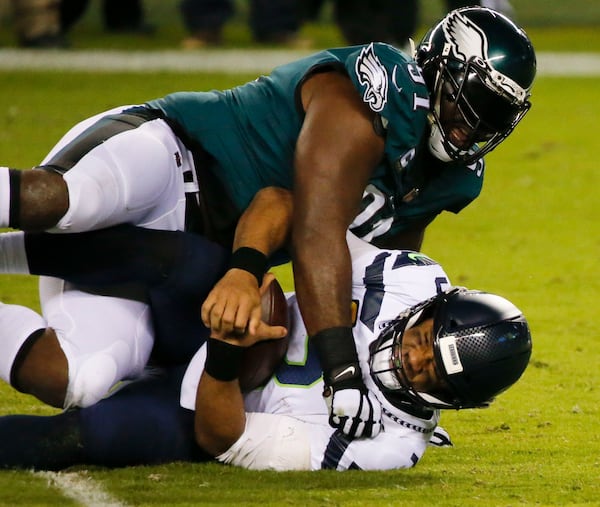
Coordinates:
<point>250,132</point>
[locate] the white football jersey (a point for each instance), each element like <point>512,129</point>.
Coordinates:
<point>287,421</point>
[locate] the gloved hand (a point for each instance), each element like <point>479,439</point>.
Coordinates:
<point>353,410</point>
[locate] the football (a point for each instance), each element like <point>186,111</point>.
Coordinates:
<point>261,359</point>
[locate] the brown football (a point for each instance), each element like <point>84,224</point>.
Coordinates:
<point>261,359</point>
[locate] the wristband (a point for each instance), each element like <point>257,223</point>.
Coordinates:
<point>14,200</point>
<point>251,260</point>
<point>223,360</point>
<point>337,353</point>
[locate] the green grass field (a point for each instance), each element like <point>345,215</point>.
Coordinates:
<point>533,236</point>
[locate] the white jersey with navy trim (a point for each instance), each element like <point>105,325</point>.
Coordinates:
<point>287,424</point>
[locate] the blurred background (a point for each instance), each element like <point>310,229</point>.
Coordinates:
<point>161,24</point>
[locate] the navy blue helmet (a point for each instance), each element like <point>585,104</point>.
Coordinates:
<point>481,346</point>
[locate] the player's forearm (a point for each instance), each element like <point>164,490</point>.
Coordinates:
<point>266,224</point>
<point>234,303</point>
<point>323,282</point>
<point>320,255</point>
<point>411,239</point>
<point>220,417</point>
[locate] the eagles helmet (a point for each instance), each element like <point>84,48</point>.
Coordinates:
<point>481,63</point>
<point>481,346</point>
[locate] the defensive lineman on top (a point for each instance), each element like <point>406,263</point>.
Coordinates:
<point>367,137</point>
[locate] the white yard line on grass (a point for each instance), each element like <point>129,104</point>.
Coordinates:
<point>210,60</point>
<point>81,488</point>
<point>227,60</point>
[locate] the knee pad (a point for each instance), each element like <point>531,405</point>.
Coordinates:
<point>104,339</point>
<point>92,377</point>
<point>112,185</point>
<point>94,195</point>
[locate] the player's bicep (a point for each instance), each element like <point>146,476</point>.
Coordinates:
<point>337,148</point>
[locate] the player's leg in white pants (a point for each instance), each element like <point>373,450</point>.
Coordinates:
<point>105,339</point>
<point>135,176</point>
<point>80,348</point>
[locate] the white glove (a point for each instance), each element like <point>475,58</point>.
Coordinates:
<point>354,411</point>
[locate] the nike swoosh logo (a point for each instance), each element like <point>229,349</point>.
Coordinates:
<point>351,370</point>
<point>398,88</point>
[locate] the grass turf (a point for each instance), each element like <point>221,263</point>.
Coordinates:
<point>532,236</point>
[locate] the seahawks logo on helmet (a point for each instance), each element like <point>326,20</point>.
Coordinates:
<point>374,77</point>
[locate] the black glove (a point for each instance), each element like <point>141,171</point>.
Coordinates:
<point>353,409</point>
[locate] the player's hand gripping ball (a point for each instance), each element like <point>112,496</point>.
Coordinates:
<point>261,359</point>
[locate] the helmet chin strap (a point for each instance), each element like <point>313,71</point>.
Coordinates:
<point>436,144</point>
<point>412,48</point>
<point>436,137</point>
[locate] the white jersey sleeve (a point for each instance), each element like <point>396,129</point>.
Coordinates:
<point>394,448</point>
<point>271,442</point>
<point>283,442</point>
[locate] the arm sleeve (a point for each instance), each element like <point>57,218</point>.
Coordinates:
<point>271,442</point>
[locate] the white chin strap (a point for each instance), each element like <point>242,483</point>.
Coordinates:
<point>433,400</point>
<point>436,144</point>
<point>436,138</point>
<point>438,148</point>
